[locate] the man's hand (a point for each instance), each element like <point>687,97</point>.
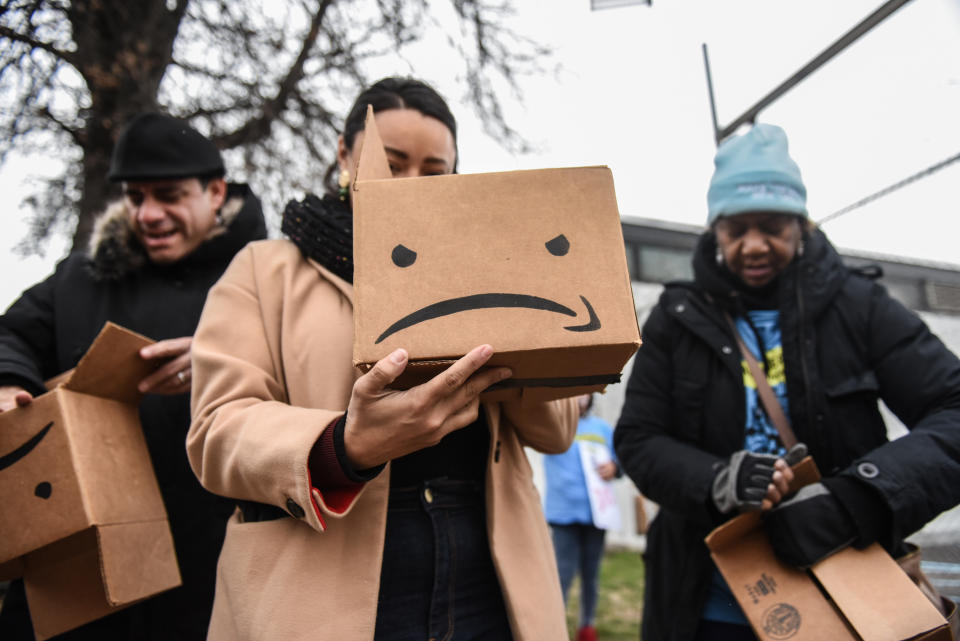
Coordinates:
<point>13,396</point>
<point>383,424</point>
<point>173,377</point>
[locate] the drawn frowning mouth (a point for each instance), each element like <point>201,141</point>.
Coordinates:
<point>9,459</point>
<point>489,301</point>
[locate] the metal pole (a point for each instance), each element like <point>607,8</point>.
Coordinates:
<point>845,41</point>
<point>713,105</point>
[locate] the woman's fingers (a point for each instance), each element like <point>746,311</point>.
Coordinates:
<point>779,486</point>
<point>383,373</point>
<point>462,382</point>
<point>782,477</point>
<point>383,423</point>
<point>456,376</point>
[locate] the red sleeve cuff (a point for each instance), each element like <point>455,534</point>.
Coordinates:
<point>330,473</point>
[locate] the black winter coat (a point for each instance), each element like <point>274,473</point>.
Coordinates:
<point>50,327</point>
<point>846,344</point>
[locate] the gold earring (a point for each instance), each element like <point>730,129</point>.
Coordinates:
<point>344,183</point>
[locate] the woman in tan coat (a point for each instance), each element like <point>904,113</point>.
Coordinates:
<point>364,512</point>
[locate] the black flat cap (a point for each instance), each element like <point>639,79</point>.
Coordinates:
<point>156,146</point>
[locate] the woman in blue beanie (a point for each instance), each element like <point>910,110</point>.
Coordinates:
<point>830,342</point>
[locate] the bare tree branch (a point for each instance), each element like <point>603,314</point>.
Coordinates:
<point>10,34</point>
<point>268,82</point>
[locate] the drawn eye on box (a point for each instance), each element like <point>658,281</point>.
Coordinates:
<point>43,489</point>
<point>558,246</point>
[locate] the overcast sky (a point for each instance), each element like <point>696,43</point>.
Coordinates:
<point>632,95</point>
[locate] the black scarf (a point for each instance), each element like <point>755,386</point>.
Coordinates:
<point>322,228</point>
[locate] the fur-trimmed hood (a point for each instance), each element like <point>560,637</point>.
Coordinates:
<point>114,250</point>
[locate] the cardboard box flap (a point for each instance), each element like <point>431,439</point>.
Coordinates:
<point>112,366</point>
<point>96,572</point>
<point>895,612</point>
<point>373,163</point>
<point>733,530</point>
<point>137,560</point>
<point>112,460</point>
<point>63,585</point>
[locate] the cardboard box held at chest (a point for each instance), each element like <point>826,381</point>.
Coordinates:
<point>531,262</point>
<point>82,518</point>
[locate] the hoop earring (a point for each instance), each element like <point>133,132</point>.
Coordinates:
<point>719,257</point>
<point>344,183</point>
<point>800,248</point>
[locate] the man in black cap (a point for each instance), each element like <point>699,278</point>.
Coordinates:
<point>151,260</point>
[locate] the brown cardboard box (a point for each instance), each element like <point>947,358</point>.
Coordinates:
<point>853,594</point>
<point>531,262</point>
<point>82,518</point>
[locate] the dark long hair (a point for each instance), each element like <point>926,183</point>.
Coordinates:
<point>392,93</point>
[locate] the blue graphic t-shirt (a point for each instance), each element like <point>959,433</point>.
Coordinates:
<point>759,435</point>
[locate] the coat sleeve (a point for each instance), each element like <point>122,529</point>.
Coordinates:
<point>246,441</point>
<point>547,427</point>
<point>28,350</point>
<point>666,469</point>
<point>918,475</point>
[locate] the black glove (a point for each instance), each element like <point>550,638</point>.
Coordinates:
<point>809,527</point>
<point>741,484</point>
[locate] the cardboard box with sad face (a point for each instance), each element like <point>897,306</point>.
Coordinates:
<point>81,513</point>
<point>531,262</point>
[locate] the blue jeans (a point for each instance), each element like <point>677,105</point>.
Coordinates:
<point>438,581</point>
<point>579,546</point>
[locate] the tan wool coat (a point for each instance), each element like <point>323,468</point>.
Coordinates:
<point>272,368</point>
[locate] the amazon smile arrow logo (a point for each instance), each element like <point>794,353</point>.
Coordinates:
<point>489,301</point>
<point>9,459</point>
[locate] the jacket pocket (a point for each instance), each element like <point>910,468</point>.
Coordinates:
<point>853,421</point>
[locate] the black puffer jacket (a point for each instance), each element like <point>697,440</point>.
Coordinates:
<point>846,344</point>
<point>50,327</point>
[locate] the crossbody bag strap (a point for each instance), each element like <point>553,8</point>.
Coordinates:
<point>765,392</point>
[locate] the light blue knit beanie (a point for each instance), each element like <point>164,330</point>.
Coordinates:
<point>754,172</point>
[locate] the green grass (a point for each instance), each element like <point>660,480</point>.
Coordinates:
<point>620,601</point>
